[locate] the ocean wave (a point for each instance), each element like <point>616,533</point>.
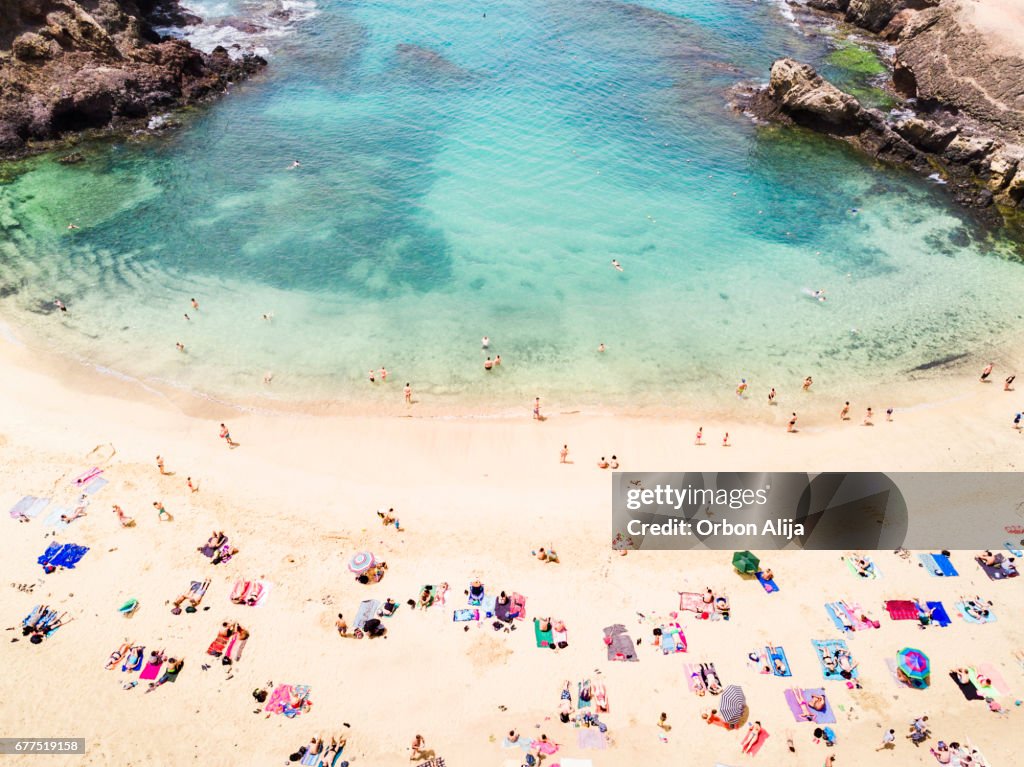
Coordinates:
<point>251,28</point>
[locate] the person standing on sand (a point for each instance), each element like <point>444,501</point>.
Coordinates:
<point>868,416</point>
<point>1008,383</point>
<point>160,465</point>
<point>791,426</point>
<point>341,625</point>
<point>408,393</point>
<point>123,518</point>
<point>194,488</point>
<point>888,414</point>
<point>700,436</point>
<point>161,512</point>
<point>725,440</point>
<point>1016,420</point>
<point>844,414</point>
<point>419,744</point>
<point>742,388</point>
<point>888,741</point>
<point>536,409</point>
<point>563,454</point>
<point>771,396</point>
<point>807,383</point>
<point>226,436</point>
<point>986,372</point>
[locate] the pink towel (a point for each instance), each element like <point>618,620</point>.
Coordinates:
<point>902,610</point>
<point>519,603</point>
<point>151,671</point>
<point>859,625</point>
<point>279,698</point>
<point>987,669</point>
<point>692,601</point>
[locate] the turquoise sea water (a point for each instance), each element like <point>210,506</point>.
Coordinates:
<point>471,169</point>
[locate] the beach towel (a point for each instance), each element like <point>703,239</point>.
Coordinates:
<point>831,646</point>
<point>939,615</point>
<point>151,671</point>
<point>672,639</point>
<point>69,556</point>
<point>368,608</point>
<point>86,476</point>
<point>139,660</point>
<point>694,602</point>
<point>761,738</point>
<point>945,565</point>
<point>51,551</point>
<point>53,519</point>
<point>967,688</point>
<point>777,653</point>
<point>998,686</point>
<point>620,646</point>
<point>311,757</point>
<point>820,717</point>
<point>769,586</point>
<point>590,737</point>
<point>518,606</point>
<point>543,637</point>
<point>860,625</point>
<point>216,648</point>
<point>560,639</point>
<point>584,694</point>
<point>902,610</point>
<point>1015,551</point>
<point>872,569</point>
<point>278,699</point>
<point>996,572</point>
<point>95,486</point>
<point>22,507</point>
<point>302,693</point>
<point>962,609</point>
<point>240,591</point>
<point>834,610</point>
<point>600,696</point>
<point>37,507</point>
<point>464,614</point>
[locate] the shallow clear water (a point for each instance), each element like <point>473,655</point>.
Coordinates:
<point>465,175</point>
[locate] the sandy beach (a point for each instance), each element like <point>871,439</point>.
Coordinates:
<point>474,497</point>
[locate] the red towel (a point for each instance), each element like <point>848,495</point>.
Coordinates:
<point>902,610</point>
<point>217,646</point>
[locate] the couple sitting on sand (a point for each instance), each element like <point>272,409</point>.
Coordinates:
<point>374,574</point>
<point>605,464</point>
<point>546,555</point>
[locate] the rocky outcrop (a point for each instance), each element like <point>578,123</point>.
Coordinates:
<point>963,115</point>
<point>73,65</point>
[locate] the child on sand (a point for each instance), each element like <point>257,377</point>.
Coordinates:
<point>563,454</point>
<point>161,512</point>
<point>844,414</point>
<point>700,436</point>
<point>226,436</point>
<point>868,416</point>
<point>408,393</point>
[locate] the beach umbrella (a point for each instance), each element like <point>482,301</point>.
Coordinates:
<point>914,664</point>
<point>745,562</point>
<point>732,704</point>
<point>361,562</point>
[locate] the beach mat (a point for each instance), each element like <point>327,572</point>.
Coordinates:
<point>29,506</point>
<point>769,586</point>
<point>830,646</point>
<point>69,556</point>
<point>996,572</point>
<point>86,476</point>
<point>368,608</point>
<point>672,639</point>
<point>620,645</point>
<point>902,610</point>
<point>998,686</point>
<point>939,615</point>
<point>872,572</point>
<point>278,699</point>
<point>962,609</point>
<point>151,671</point>
<point>590,737</point>
<point>96,485</point>
<point>780,654</point>
<point>693,602</point>
<point>820,717</point>
<point>967,688</point>
<point>761,738</point>
<point>53,519</point>
<point>543,637</point>
<point>466,614</point>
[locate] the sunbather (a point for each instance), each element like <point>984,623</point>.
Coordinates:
<point>697,682</point>
<point>426,597</point>
<point>750,739</point>
<point>389,607</point>
<point>78,513</point>
<point>988,558</point>
<point>863,566</point>
<point>817,703</point>
<point>123,518</point>
<point>710,677</point>
<point>847,665</point>
<point>827,660</point>
<point>476,591</point>
<point>173,667</point>
<point>565,703</point>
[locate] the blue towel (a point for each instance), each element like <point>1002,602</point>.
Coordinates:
<point>465,614</point>
<point>1014,550</point>
<point>20,509</point>
<point>770,586</point>
<point>939,614</point>
<point>96,485</point>
<point>943,563</point>
<point>69,556</point>
<point>830,646</point>
<point>831,610</point>
<point>50,553</point>
<point>779,653</point>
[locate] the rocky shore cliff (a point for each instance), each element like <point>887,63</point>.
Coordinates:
<point>962,88</point>
<point>73,65</point>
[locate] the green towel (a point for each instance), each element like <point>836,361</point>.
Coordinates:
<point>543,637</point>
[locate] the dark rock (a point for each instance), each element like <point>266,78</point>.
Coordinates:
<point>34,47</point>
<point>72,159</point>
<point>831,6</point>
<point>812,101</point>
<point>926,134</point>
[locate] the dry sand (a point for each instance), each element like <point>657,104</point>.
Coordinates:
<point>474,496</point>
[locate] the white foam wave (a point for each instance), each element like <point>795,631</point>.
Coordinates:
<point>242,30</point>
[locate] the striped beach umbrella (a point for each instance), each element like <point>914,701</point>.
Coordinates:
<point>361,562</point>
<point>745,562</point>
<point>732,705</point>
<point>914,664</point>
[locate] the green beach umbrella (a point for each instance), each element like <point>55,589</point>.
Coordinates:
<point>745,562</point>
<point>914,664</point>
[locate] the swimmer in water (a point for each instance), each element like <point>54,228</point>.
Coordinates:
<point>180,346</point>
<point>617,265</point>
<point>488,364</point>
<point>195,304</point>
<point>742,388</point>
<point>295,164</point>
<point>383,374</point>
<point>497,360</point>
<point>819,294</point>
<point>485,342</point>
<point>268,377</point>
<point>601,347</point>
<point>268,316</point>
<point>372,377</point>
<point>72,226</point>
<point>771,396</point>
<point>187,317</point>
<point>59,304</point>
